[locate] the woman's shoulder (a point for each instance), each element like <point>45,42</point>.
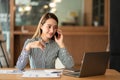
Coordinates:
<point>31,40</point>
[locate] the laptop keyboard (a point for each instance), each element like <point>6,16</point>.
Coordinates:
<point>71,73</point>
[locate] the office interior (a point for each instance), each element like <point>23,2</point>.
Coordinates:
<point>85,25</point>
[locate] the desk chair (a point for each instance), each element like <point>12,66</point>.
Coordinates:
<point>58,64</point>
<point>2,50</point>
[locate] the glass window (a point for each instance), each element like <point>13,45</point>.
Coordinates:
<point>29,12</point>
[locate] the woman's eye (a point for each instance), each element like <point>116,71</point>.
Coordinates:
<point>55,27</point>
<point>49,26</point>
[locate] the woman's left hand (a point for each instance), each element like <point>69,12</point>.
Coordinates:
<point>59,39</point>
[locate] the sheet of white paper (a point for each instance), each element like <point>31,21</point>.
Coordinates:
<point>10,72</point>
<point>42,73</point>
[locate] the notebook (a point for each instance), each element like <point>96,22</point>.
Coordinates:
<point>93,64</point>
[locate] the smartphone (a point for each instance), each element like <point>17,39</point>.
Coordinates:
<point>56,34</point>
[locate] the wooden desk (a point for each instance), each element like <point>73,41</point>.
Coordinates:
<point>110,75</point>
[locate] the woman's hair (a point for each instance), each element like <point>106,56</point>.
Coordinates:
<point>43,19</point>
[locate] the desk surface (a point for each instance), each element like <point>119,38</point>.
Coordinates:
<point>109,75</point>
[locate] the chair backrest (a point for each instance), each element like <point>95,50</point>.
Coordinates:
<point>4,56</point>
<point>58,64</point>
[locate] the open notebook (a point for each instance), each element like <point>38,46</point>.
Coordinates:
<point>93,64</point>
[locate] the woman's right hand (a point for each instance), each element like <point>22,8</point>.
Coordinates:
<point>35,44</point>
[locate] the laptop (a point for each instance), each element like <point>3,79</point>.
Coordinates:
<point>93,64</point>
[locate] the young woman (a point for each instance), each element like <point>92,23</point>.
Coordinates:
<point>45,46</point>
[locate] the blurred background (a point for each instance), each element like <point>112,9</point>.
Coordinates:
<point>85,24</point>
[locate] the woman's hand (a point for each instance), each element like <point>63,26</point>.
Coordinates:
<point>35,44</point>
<point>59,39</point>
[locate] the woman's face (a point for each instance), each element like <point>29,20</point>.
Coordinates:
<point>49,28</point>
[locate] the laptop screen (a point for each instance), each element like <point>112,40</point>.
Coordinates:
<point>94,63</point>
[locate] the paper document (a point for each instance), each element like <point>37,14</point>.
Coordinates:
<point>10,72</point>
<point>42,73</point>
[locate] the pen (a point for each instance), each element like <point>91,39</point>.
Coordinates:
<point>56,72</point>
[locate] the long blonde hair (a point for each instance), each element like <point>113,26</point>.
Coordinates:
<point>42,21</point>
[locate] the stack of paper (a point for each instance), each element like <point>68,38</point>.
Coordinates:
<point>42,73</point>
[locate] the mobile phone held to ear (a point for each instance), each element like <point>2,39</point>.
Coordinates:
<point>56,34</point>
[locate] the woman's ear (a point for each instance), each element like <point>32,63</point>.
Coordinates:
<point>41,27</point>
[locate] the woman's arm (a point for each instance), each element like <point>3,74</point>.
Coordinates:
<point>23,58</point>
<point>63,55</point>
<point>29,44</point>
<point>66,58</point>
